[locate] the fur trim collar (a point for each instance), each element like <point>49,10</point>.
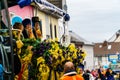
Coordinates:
<point>70,73</point>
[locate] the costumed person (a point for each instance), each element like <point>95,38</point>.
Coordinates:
<point>36,27</point>
<point>18,25</point>
<point>70,73</point>
<point>27,32</point>
<point>17,45</point>
<point>20,28</point>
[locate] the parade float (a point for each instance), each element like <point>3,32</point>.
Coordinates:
<point>40,60</point>
<point>44,60</point>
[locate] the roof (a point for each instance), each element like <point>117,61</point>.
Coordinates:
<point>102,49</point>
<point>76,38</point>
<point>57,3</point>
<point>118,38</point>
<point>115,37</point>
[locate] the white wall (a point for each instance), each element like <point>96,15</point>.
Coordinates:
<point>60,28</point>
<point>95,62</point>
<point>101,63</point>
<point>89,57</point>
<point>61,32</point>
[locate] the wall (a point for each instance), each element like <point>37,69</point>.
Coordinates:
<point>16,11</point>
<point>21,13</point>
<point>104,62</point>
<point>61,28</point>
<point>46,20</point>
<point>26,12</point>
<point>89,57</point>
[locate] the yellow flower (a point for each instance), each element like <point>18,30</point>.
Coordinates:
<point>43,72</point>
<point>40,60</point>
<point>15,34</point>
<point>56,39</point>
<point>74,55</point>
<point>19,44</point>
<point>84,53</point>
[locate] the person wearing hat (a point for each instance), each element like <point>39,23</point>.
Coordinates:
<point>27,32</point>
<point>18,27</point>
<point>36,27</point>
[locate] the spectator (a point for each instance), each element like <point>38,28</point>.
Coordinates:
<point>81,71</point>
<point>88,76</point>
<point>109,75</point>
<point>95,74</point>
<point>70,73</point>
<point>101,76</point>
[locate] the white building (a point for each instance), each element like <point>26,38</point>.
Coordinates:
<point>62,25</point>
<point>88,46</point>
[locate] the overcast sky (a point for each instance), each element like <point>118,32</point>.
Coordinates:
<point>94,20</point>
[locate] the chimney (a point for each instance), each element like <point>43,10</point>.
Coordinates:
<point>105,43</point>
<point>118,34</point>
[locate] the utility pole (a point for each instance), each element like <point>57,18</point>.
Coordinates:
<point>66,40</point>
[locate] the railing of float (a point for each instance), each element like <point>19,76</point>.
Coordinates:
<point>5,7</point>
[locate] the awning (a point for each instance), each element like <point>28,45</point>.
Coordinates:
<point>49,8</point>
<point>46,7</point>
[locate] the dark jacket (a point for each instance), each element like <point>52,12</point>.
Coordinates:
<point>86,76</point>
<point>34,33</point>
<point>109,75</point>
<point>25,34</point>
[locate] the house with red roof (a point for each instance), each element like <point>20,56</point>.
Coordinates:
<point>106,52</point>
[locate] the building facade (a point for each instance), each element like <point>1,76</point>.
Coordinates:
<point>62,25</point>
<point>51,16</point>
<point>88,46</point>
<point>104,52</point>
<point>20,13</point>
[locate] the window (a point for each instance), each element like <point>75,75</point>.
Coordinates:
<point>109,47</point>
<point>40,24</point>
<point>55,29</point>
<point>51,31</point>
<point>47,27</point>
<point>100,46</point>
<point>100,58</point>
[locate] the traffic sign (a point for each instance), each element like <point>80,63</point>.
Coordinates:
<point>112,57</point>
